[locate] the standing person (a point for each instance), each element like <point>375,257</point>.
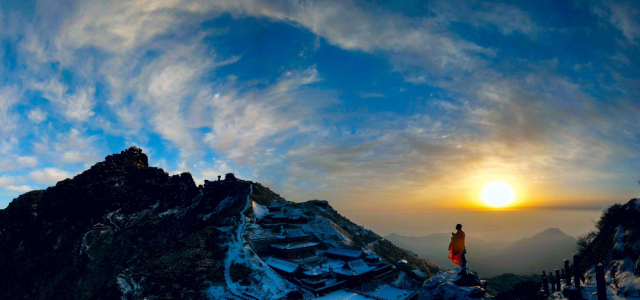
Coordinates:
<point>457,249</point>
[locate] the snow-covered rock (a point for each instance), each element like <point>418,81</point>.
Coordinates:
<point>617,246</point>
<point>453,285</point>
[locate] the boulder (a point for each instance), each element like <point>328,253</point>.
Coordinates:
<point>454,284</point>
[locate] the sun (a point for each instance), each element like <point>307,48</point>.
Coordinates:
<point>498,194</point>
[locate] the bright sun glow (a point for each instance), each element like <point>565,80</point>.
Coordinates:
<point>498,194</point>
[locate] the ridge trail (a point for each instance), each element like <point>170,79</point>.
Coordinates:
<point>236,246</point>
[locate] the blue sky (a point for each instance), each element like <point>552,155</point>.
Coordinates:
<point>381,105</point>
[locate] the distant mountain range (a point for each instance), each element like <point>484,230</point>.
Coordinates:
<point>435,247</point>
<point>540,252</point>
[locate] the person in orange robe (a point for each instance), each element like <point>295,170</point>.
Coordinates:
<point>457,249</point>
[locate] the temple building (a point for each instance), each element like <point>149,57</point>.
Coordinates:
<point>284,268</point>
<point>275,207</point>
<point>293,244</point>
<point>314,278</point>
<point>288,215</point>
<point>292,236</point>
<point>344,254</point>
<point>372,258</point>
<point>355,269</point>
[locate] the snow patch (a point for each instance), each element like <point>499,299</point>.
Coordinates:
<point>259,210</point>
<point>343,295</point>
<point>619,240</point>
<point>442,286</point>
<point>225,228</point>
<point>271,286</point>
<point>216,292</point>
<point>169,212</point>
<point>128,287</point>
<point>391,293</point>
<point>327,231</point>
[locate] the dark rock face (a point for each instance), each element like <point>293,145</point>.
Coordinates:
<point>322,203</point>
<point>159,234</point>
<point>467,278</point>
<point>229,177</point>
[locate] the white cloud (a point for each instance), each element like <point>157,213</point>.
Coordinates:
<point>161,92</point>
<point>168,83</point>
<point>124,26</point>
<point>9,145</point>
<point>19,188</point>
<point>242,125</point>
<point>165,94</point>
<point>73,140</point>
<point>77,157</point>
<point>507,19</point>
<point>408,42</point>
<point>28,161</point>
<point>75,147</point>
<point>79,106</point>
<point>9,180</point>
<point>49,175</point>
<point>74,107</point>
<point>37,115</point>
<point>9,96</point>
<point>120,26</point>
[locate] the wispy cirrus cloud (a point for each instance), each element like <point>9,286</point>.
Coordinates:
<point>624,16</point>
<point>507,19</point>
<point>244,125</point>
<point>9,97</point>
<point>37,115</point>
<point>77,106</point>
<point>199,97</point>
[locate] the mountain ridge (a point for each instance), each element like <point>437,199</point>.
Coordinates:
<point>125,230</point>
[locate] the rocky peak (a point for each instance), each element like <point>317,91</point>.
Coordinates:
<point>116,227</point>
<point>129,157</point>
<point>454,284</point>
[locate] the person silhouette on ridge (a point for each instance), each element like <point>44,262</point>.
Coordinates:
<point>457,249</point>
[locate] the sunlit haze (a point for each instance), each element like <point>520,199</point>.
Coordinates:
<point>408,116</point>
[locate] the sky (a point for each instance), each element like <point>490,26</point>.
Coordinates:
<point>377,106</point>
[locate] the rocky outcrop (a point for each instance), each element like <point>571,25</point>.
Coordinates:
<point>454,284</point>
<point>119,229</point>
<point>615,244</point>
